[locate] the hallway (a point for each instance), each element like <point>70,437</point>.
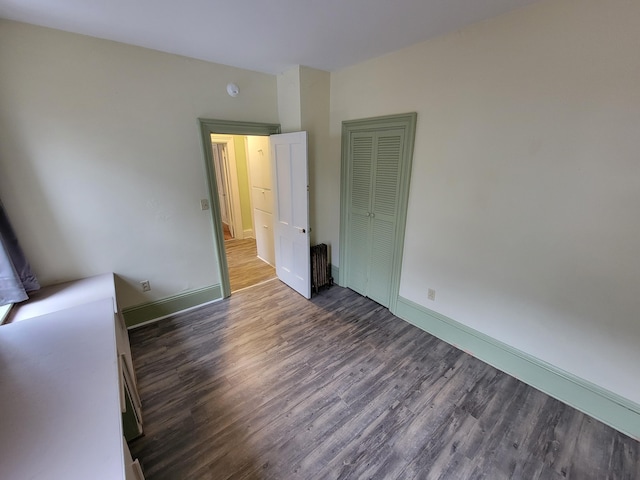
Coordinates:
<point>245,268</point>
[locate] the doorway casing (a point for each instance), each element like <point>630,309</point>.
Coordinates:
<point>224,127</point>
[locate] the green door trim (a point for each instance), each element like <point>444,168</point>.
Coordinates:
<point>407,122</point>
<point>225,127</point>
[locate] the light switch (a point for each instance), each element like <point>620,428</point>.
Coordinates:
<point>204,204</point>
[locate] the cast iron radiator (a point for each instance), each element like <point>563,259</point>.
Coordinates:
<point>320,267</point>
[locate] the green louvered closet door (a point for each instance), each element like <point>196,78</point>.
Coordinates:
<point>375,169</point>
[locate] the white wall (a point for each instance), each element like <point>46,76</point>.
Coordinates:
<point>525,194</point>
<point>101,164</point>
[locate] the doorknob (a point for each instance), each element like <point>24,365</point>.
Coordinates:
<point>302,230</point>
<point>373,214</point>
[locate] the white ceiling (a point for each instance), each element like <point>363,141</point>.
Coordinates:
<point>267,36</point>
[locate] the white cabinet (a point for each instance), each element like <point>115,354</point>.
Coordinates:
<point>261,196</point>
<point>264,235</point>
<point>67,373</point>
<point>133,471</point>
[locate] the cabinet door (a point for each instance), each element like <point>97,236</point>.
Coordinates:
<point>132,468</point>
<point>124,347</point>
<point>386,186</point>
<point>131,419</point>
<point>359,228</point>
<point>132,411</point>
<point>376,172</point>
<point>374,176</point>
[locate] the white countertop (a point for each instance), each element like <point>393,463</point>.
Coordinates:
<point>60,414</point>
<point>65,295</point>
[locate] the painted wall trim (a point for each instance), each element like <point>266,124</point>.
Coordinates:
<point>248,233</point>
<point>335,273</point>
<point>597,402</point>
<point>147,312</point>
<point>225,127</point>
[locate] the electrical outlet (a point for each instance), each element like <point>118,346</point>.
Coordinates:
<point>146,286</point>
<point>204,204</point>
<point>431,294</point>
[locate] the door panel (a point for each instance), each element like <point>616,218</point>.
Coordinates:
<point>358,261</point>
<point>381,260</point>
<point>262,199</point>
<point>284,188</point>
<point>358,233</point>
<point>374,190</point>
<point>264,235</point>
<point>291,210</point>
<point>387,173</point>
<point>361,171</point>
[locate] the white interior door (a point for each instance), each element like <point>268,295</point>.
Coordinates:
<point>291,210</point>
<point>222,148</point>
<point>218,164</point>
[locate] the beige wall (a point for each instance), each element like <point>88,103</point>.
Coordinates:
<point>314,109</point>
<point>101,164</point>
<point>289,109</point>
<point>525,190</point>
<point>303,104</point>
<point>525,194</point>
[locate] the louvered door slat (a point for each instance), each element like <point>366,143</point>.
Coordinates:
<point>359,235</point>
<point>359,229</point>
<point>387,173</point>
<point>361,167</point>
<point>381,260</point>
<point>386,185</point>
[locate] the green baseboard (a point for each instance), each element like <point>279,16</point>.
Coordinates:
<point>168,306</point>
<point>599,403</point>
<point>335,273</point>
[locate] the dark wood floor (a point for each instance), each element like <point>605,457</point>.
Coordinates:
<point>245,268</point>
<point>268,385</point>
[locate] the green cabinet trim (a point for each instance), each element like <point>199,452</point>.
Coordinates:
<point>226,127</point>
<point>364,215</point>
<point>597,402</point>
<point>146,312</point>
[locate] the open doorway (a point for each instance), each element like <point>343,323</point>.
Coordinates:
<point>238,254</point>
<point>243,180</point>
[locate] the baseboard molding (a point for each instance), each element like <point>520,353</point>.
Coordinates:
<point>147,312</point>
<point>599,403</point>
<point>266,261</point>
<point>248,233</point>
<point>335,273</point>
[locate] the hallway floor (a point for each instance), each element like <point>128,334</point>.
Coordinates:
<point>245,268</point>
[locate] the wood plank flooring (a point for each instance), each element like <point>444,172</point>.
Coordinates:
<point>245,268</point>
<point>268,385</point>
